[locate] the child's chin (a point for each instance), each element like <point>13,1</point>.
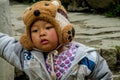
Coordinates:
<point>47,50</point>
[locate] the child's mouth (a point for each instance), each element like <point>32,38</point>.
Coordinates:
<point>44,41</point>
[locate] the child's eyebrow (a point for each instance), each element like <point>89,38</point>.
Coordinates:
<point>34,25</point>
<point>50,25</point>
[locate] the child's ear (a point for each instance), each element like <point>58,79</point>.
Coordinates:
<point>57,3</point>
<point>26,42</point>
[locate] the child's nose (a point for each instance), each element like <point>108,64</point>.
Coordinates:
<point>42,32</point>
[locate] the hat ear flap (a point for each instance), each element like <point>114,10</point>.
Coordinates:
<point>26,42</point>
<point>68,33</point>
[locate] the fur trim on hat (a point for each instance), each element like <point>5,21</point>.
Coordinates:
<point>26,42</point>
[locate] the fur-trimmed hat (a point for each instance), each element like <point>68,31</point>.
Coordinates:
<point>50,11</point>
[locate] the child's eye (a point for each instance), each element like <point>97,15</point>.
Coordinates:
<point>49,27</point>
<point>34,30</point>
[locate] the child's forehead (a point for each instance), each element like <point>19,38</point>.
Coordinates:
<point>41,23</point>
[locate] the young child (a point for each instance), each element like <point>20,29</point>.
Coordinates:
<point>47,52</point>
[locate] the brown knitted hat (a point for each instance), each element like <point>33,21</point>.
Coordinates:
<point>52,12</point>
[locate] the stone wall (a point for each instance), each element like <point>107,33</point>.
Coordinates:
<point>79,5</point>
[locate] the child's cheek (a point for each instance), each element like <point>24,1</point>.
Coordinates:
<point>53,35</point>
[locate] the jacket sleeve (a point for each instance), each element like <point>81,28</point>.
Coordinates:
<point>101,70</point>
<point>7,50</point>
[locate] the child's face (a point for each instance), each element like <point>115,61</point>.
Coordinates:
<point>44,36</point>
